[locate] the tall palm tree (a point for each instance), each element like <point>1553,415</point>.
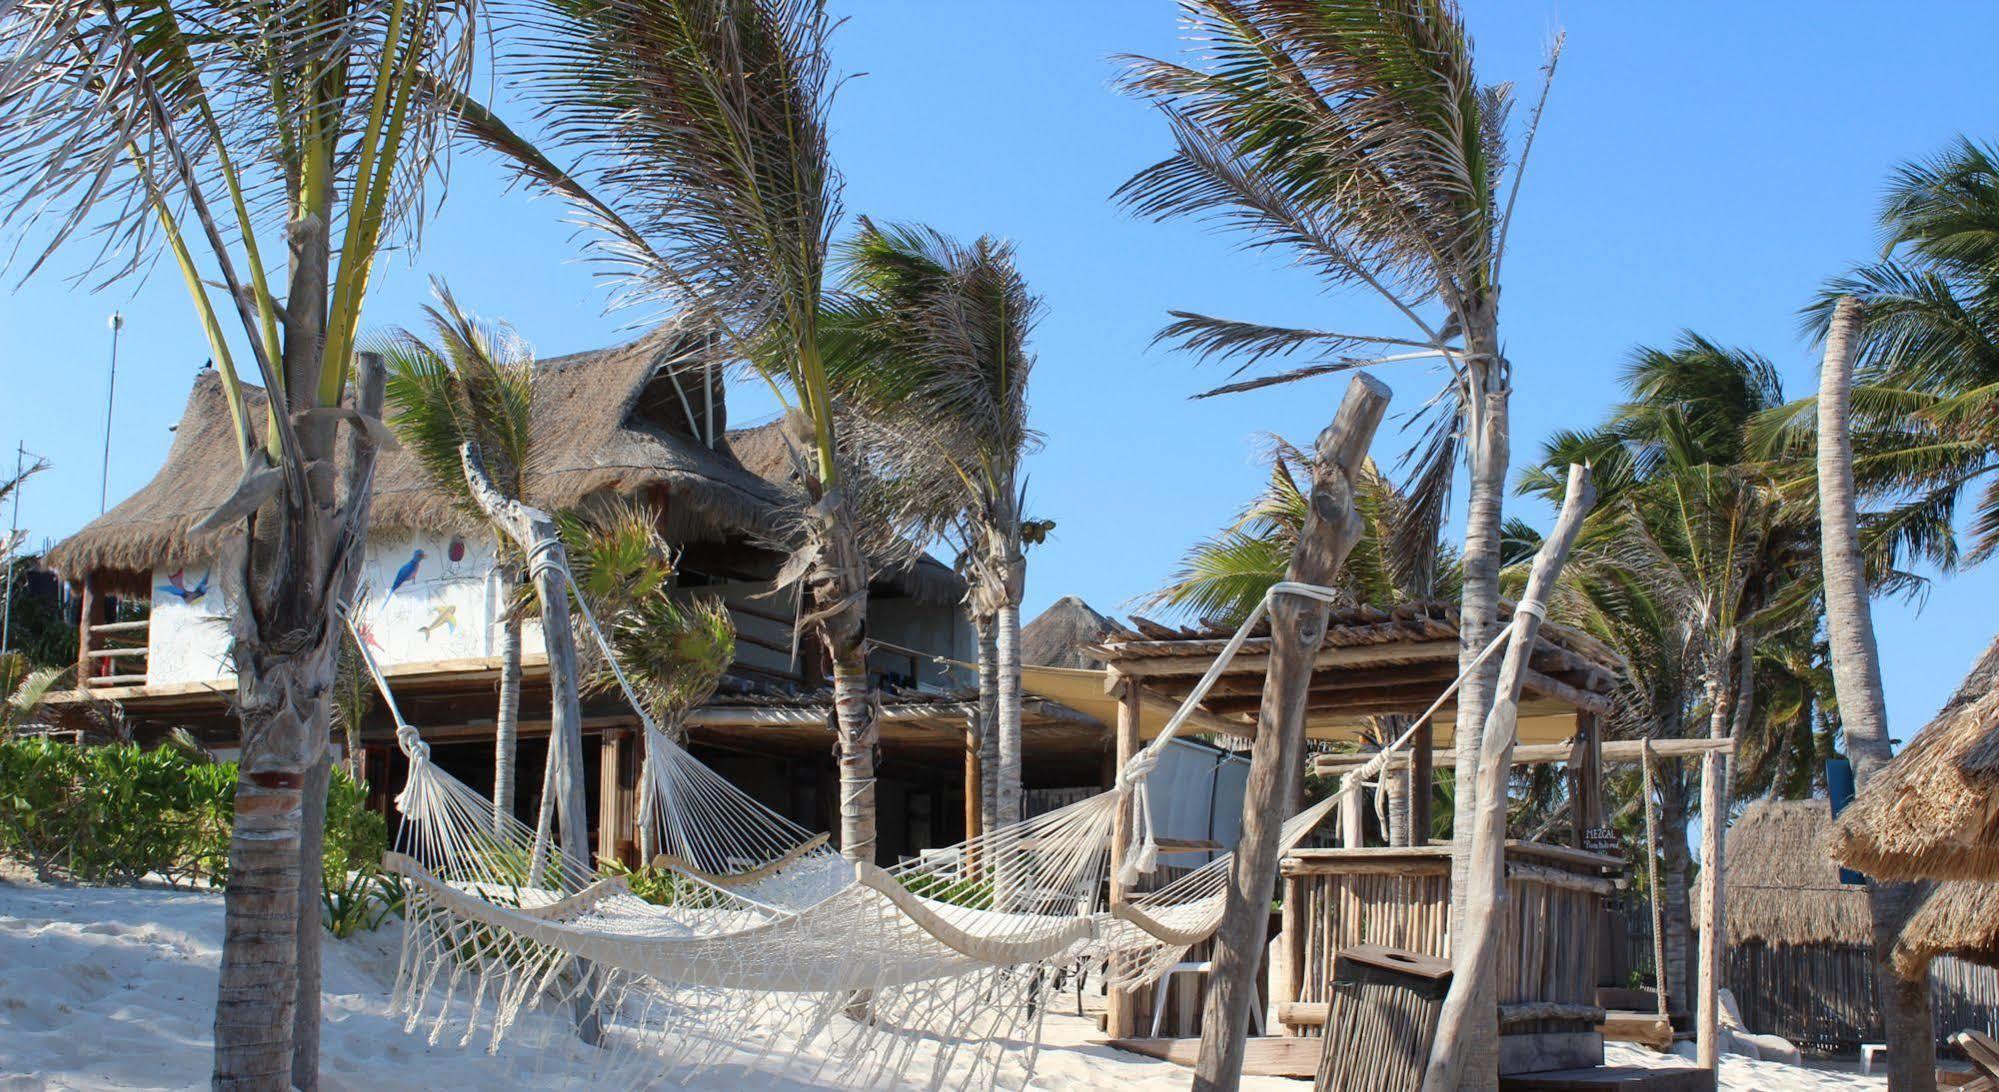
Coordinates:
<point>695,131</point>
<point>210,129</point>
<point>928,340</point>
<point>1692,556</point>
<point>1356,136</point>
<point>475,385</point>
<point>1856,672</point>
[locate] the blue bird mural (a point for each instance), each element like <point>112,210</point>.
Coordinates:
<point>176,586</point>
<point>408,572</point>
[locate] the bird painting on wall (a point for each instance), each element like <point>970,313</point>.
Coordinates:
<point>445,617</point>
<point>408,572</point>
<point>176,586</point>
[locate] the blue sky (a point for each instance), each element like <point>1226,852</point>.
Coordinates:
<point>1703,166</point>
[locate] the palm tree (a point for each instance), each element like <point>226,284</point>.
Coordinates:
<point>1356,136</point>
<point>475,385</point>
<point>210,129</point>
<point>1856,673</point>
<point>928,342</point>
<point>1692,556</point>
<point>696,130</point>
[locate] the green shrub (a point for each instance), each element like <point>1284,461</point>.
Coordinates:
<point>112,815</point>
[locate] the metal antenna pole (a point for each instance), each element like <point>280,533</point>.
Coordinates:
<point>7,612</point>
<point>117,323</point>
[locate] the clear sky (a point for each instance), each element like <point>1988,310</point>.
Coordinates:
<point>1703,165</point>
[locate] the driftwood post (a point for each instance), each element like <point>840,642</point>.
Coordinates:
<point>1474,960</point>
<point>548,564</point>
<point>1276,762</point>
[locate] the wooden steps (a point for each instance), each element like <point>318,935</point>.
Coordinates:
<point>1612,1079</point>
<point>1265,1056</point>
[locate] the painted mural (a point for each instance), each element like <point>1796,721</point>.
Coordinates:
<point>421,599</point>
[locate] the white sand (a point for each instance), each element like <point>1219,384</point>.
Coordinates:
<point>115,988</point>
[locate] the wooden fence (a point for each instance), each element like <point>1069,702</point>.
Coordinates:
<point>1822,996</point>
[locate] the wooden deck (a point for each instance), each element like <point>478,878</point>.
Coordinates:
<point>1613,1079</point>
<point>1266,1056</point>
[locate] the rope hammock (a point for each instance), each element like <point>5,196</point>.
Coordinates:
<point>752,937</point>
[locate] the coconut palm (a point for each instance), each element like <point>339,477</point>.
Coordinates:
<point>1357,136</point>
<point>474,385</point>
<point>1856,673</point>
<point>208,131</point>
<point>927,341</point>
<point>695,137</point>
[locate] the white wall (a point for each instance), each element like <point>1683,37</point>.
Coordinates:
<point>447,609</point>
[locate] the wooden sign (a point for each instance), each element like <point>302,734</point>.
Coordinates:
<point>1602,840</point>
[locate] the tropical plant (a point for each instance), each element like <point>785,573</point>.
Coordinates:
<point>1856,673</point>
<point>1694,556</point>
<point>1357,136</point>
<point>927,344</point>
<point>696,136</point>
<point>1925,401</point>
<point>475,384</point>
<point>25,687</point>
<point>209,130</point>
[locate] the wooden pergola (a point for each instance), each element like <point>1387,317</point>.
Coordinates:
<point>1393,663</point>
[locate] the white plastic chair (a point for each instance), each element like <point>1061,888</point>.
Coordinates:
<point>1160,990</point>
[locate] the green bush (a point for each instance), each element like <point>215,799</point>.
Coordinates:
<point>115,814</point>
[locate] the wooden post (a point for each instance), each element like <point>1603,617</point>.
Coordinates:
<point>1474,963</point>
<point>1353,820</point>
<point>1422,782</point>
<point>974,781</point>
<point>616,817</point>
<point>88,605</point>
<point>1586,778</point>
<point>1277,755</point>
<point>1120,1015</point>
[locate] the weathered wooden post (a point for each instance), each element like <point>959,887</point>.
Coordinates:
<point>1120,1015</point>
<point>1276,757</point>
<point>1474,961</point>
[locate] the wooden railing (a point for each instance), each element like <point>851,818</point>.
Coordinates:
<point>112,654</point>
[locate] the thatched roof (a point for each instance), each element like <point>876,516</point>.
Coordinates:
<point>1781,886</point>
<point>1064,634</point>
<point>610,421</point>
<point>597,430</point>
<point>1933,812</point>
<point>1959,918</point>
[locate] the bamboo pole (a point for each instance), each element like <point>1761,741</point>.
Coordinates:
<point>1474,962</point>
<point>1297,628</point>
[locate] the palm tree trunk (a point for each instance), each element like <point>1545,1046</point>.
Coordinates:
<point>1489,451</point>
<point>853,709</point>
<point>507,721</point>
<point>311,887</point>
<point>288,583</point>
<point>1276,764</point>
<point>1007,654</point>
<point>988,629</point>
<point>1863,709</point>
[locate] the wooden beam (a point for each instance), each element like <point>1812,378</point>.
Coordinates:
<point>1586,778</point>
<point>1422,780</point>
<point>1250,662</point>
<point>1121,1014</point>
<point>1542,754</point>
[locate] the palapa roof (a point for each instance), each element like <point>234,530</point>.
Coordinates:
<point>1933,812</point>
<point>608,421</point>
<point>1959,918</point>
<point>592,435</point>
<point>1782,888</point>
<point>1065,634</point>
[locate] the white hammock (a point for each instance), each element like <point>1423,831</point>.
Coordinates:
<point>756,932</point>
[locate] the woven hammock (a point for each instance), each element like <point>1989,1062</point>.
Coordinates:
<point>755,939</point>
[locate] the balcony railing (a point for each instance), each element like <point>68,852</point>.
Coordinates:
<point>112,654</point>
